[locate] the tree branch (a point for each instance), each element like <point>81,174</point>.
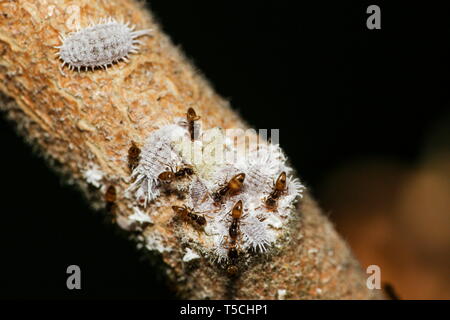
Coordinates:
<point>83,123</point>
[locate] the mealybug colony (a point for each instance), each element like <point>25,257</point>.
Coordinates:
<point>228,231</point>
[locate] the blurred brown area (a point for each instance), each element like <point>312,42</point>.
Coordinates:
<point>397,215</point>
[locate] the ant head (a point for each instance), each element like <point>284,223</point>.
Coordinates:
<point>111,190</point>
<point>201,220</point>
<point>232,270</point>
<point>134,149</point>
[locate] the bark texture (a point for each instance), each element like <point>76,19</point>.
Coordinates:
<point>80,121</point>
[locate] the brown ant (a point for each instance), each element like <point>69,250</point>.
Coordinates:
<point>233,235</point>
<point>278,189</point>
<point>191,117</point>
<point>231,188</point>
<point>170,176</point>
<point>134,154</point>
<point>187,213</point>
<point>110,198</point>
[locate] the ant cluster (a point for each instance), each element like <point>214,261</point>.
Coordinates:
<point>235,206</point>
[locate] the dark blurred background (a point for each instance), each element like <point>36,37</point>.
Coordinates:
<point>364,116</point>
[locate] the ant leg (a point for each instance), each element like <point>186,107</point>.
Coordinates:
<point>205,215</point>
<point>208,234</point>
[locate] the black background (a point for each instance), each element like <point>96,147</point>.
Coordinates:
<point>335,89</point>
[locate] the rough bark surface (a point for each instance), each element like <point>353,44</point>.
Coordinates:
<point>88,119</point>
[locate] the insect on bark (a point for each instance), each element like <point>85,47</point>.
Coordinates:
<point>231,188</point>
<point>134,155</point>
<point>233,236</point>
<point>188,214</point>
<point>171,175</point>
<point>191,117</point>
<point>278,189</point>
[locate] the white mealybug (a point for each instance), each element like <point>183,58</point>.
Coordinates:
<point>157,156</point>
<point>99,45</point>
